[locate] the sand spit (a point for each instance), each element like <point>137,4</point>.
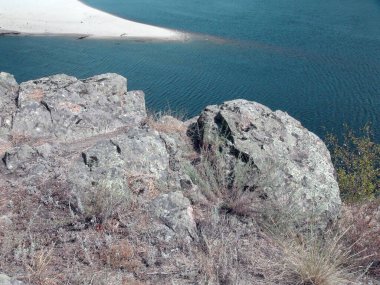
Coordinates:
<point>72,17</point>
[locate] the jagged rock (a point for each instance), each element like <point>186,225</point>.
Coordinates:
<point>173,133</point>
<point>144,152</point>
<point>175,212</point>
<point>136,159</point>
<point>8,95</point>
<point>292,165</point>
<point>18,157</point>
<point>64,107</point>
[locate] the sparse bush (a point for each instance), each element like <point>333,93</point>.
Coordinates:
<point>357,163</point>
<point>223,185</point>
<point>38,267</point>
<point>104,200</point>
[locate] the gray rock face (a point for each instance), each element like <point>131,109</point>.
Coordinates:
<point>176,213</point>
<point>99,123</point>
<point>8,95</point>
<point>64,107</point>
<point>135,161</point>
<point>293,166</point>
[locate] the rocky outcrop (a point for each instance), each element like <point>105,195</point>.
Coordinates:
<point>291,166</point>
<point>86,130</point>
<point>8,96</point>
<point>83,134</point>
<point>84,146</point>
<point>67,108</point>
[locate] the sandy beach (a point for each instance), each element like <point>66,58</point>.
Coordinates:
<point>72,17</point>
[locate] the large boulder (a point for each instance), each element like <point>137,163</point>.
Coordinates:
<point>291,167</point>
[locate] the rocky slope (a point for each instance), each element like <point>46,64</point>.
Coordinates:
<point>85,171</point>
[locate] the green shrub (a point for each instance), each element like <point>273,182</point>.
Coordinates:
<point>357,163</point>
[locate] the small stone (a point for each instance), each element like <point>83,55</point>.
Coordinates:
<point>5,221</point>
<point>6,280</point>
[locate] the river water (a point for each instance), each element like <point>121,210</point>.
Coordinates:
<point>317,60</point>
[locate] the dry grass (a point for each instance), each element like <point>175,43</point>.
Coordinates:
<point>121,255</point>
<point>228,251</point>
<point>363,222</point>
<point>220,185</point>
<point>38,267</point>
<point>167,125</point>
<point>140,183</point>
<point>166,122</point>
<point>17,138</point>
<point>105,200</point>
<point>314,258</point>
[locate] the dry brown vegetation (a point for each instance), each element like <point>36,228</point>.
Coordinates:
<point>303,257</point>
<point>363,224</point>
<point>46,245</point>
<point>166,124</point>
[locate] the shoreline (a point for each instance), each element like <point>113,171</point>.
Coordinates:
<point>49,18</point>
<point>182,37</point>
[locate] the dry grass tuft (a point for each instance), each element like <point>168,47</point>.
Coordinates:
<point>223,256</point>
<point>38,267</point>
<point>141,183</point>
<point>311,258</point>
<point>166,124</point>
<point>363,221</point>
<point>105,200</point>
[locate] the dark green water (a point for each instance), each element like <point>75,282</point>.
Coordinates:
<point>317,60</point>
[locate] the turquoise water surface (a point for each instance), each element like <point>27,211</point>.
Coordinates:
<point>317,60</point>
